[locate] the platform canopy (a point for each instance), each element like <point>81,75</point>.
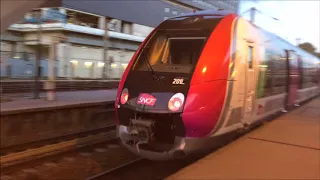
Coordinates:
<point>13,11</point>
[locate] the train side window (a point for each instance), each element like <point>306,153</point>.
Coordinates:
<point>250,57</point>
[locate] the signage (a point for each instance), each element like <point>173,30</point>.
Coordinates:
<point>52,15</point>
<point>146,99</point>
<point>47,16</point>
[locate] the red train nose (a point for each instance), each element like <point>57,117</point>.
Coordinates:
<point>206,96</point>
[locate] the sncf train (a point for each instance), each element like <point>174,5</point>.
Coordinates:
<point>202,75</point>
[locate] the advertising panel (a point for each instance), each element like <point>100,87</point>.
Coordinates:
<point>48,15</point>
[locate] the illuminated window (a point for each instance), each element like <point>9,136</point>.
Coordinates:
<point>250,57</point>
<point>166,9</point>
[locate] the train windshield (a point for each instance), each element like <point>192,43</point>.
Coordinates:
<point>173,49</point>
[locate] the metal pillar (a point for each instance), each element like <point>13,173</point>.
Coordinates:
<point>105,49</point>
<point>50,85</point>
<point>37,72</point>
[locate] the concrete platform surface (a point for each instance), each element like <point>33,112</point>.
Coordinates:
<point>286,148</point>
<point>63,99</point>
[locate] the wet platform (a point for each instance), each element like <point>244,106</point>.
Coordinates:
<point>285,148</point>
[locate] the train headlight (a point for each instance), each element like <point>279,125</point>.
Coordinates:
<point>176,102</point>
<point>124,96</point>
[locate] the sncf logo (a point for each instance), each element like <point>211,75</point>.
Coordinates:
<point>146,99</point>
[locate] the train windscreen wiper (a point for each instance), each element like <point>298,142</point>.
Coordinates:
<point>146,60</point>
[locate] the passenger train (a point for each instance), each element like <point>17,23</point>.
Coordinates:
<point>202,75</point>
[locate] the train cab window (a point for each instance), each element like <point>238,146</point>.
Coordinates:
<point>177,43</point>
<point>172,53</point>
<point>250,57</point>
<point>183,51</point>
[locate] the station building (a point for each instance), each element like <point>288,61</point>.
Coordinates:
<point>83,26</point>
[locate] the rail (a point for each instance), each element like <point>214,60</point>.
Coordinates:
<point>32,154</point>
<point>118,168</point>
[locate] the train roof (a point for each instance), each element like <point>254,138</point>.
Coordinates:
<point>221,13</point>
<point>294,47</point>
<point>218,13</point>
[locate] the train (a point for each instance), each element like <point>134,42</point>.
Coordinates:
<point>202,75</point>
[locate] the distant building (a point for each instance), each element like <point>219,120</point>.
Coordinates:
<point>128,23</point>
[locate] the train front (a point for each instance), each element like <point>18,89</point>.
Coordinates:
<point>154,88</point>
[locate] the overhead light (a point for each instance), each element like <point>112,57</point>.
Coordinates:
<point>100,64</point>
<point>113,65</point>
<point>87,63</point>
<point>74,62</point>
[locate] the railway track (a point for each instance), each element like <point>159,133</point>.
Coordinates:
<point>97,156</point>
<point>48,149</point>
<point>47,142</point>
<point>140,168</point>
<point>104,163</point>
<point>116,169</point>
<point>76,164</point>
<point>87,156</point>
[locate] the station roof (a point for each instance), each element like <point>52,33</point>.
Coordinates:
<point>12,11</point>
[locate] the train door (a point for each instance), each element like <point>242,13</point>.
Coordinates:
<point>293,78</point>
<point>249,82</point>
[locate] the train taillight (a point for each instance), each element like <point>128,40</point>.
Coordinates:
<point>124,96</point>
<point>176,102</point>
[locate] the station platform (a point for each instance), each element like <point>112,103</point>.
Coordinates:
<point>62,99</point>
<point>286,148</point>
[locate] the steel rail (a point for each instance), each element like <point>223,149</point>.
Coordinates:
<point>53,149</point>
<point>125,165</point>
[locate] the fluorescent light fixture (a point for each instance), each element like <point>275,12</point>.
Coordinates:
<point>87,63</point>
<point>74,62</point>
<point>100,64</point>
